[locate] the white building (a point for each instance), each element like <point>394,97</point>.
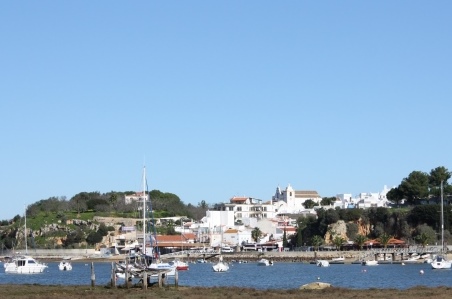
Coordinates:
<point>137,197</point>
<point>363,200</point>
<point>290,201</point>
<point>248,207</point>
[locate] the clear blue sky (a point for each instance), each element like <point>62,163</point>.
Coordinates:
<point>221,98</point>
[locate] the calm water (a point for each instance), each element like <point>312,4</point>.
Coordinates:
<point>279,276</point>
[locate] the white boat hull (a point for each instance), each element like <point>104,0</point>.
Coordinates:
<point>322,263</point>
<point>220,267</point>
<point>25,265</point>
<point>441,263</point>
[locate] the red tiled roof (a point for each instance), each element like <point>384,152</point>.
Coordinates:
<point>239,198</point>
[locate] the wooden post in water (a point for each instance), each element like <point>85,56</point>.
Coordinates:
<point>160,278</point>
<point>126,273</point>
<point>145,280</point>
<point>93,276</point>
<point>176,279</point>
<point>113,275</point>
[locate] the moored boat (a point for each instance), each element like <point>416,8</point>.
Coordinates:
<point>25,265</point>
<point>180,265</point>
<point>370,263</point>
<point>264,262</point>
<point>322,263</point>
<point>65,265</point>
<point>220,266</point>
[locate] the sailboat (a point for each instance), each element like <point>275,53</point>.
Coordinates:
<point>148,258</point>
<point>221,266</point>
<point>25,264</point>
<point>152,252</point>
<point>441,262</point>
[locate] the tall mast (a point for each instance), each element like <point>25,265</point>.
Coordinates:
<point>442,219</point>
<point>25,233</point>
<point>144,209</point>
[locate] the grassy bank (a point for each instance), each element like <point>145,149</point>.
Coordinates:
<point>39,291</point>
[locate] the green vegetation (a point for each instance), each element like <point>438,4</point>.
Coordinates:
<point>417,220</point>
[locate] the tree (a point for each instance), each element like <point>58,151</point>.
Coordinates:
<point>256,234</point>
<point>415,186</point>
<point>423,239</point>
<point>93,238</point>
<point>309,204</point>
<point>395,195</point>
<point>327,201</point>
<point>438,175</point>
<point>317,241</point>
<point>338,241</point>
<point>284,239</point>
<point>424,235</point>
<point>384,239</point>
<point>360,240</point>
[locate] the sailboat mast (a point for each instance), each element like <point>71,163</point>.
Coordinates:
<point>144,209</point>
<point>442,219</point>
<point>25,232</point>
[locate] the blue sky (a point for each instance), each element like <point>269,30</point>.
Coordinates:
<point>221,98</point>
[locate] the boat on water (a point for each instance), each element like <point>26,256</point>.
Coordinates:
<point>414,258</point>
<point>180,265</point>
<point>25,265</point>
<point>221,266</point>
<point>322,263</point>
<point>147,258</point>
<point>65,265</point>
<point>264,262</point>
<point>338,259</point>
<point>441,262</point>
<point>370,263</point>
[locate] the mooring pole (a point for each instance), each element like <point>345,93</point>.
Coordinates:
<point>113,275</point>
<point>93,276</point>
<point>145,280</point>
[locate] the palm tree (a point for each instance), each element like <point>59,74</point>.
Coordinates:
<point>338,241</point>
<point>384,239</point>
<point>317,241</point>
<point>360,240</point>
<point>423,238</point>
<point>256,234</point>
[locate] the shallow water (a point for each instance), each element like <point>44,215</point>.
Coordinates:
<point>279,276</point>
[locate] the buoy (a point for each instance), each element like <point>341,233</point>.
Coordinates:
<point>403,264</point>
<point>421,272</point>
<point>318,278</point>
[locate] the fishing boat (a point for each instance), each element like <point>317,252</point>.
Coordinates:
<point>441,262</point>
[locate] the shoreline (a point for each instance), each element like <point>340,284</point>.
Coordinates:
<point>350,257</point>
